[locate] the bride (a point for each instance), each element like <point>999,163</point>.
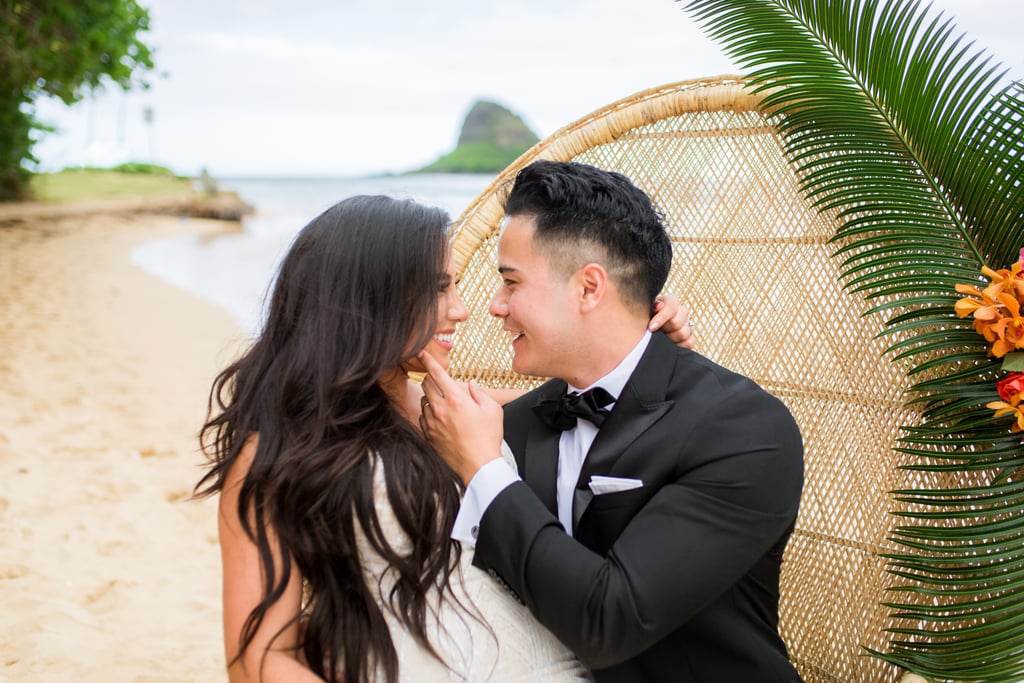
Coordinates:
<point>334,510</point>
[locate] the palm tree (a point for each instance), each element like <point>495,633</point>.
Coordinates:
<point>915,140</point>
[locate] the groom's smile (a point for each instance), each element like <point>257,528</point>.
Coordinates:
<point>534,302</point>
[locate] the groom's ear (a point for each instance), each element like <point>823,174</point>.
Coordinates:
<point>593,282</point>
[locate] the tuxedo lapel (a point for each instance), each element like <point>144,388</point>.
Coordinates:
<point>540,460</point>
<point>641,404</point>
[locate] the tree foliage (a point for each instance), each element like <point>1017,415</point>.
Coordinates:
<point>912,136</point>
<point>63,49</point>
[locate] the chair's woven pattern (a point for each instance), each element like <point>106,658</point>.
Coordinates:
<point>751,260</point>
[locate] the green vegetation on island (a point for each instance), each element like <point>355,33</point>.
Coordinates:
<point>492,137</point>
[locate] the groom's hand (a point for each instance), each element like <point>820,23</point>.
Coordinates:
<point>462,422</point>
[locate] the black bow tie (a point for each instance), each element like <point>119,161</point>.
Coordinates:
<point>561,413</point>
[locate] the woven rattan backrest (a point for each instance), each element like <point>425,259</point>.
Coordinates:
<point>752,262</point>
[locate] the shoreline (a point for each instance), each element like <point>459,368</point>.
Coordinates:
<point>223,206</point>
<point>109,570</point>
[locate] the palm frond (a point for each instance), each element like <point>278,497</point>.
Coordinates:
<point>897,125</point>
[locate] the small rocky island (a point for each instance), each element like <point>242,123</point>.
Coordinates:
<point>492,137</point>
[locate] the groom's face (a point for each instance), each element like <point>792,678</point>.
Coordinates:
<point>538,306</point>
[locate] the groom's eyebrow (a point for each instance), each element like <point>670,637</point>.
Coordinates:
<point>506,269</point>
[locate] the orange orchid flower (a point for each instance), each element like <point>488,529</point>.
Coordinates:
<point>996,308</point>
<point>984,308</point>
<point>1004,408</point>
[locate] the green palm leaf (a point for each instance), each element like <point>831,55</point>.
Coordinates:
<point>911,137</point>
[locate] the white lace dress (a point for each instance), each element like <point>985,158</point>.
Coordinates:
<point>503,643</point>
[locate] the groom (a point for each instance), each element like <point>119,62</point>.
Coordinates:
<point>658,489</point>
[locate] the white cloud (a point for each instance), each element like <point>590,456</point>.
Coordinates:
<point>264,87</point>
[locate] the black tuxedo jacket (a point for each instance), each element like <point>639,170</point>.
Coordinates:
<point>677,580</point>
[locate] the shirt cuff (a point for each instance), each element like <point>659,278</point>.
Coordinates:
<point>484,487</point>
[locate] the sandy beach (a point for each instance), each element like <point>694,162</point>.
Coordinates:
<point>108,572</point>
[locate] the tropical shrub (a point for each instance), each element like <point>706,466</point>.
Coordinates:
<point>915,140</point>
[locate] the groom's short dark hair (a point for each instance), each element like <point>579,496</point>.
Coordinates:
<point>585,214</point>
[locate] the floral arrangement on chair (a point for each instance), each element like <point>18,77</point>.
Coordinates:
<point>997,317</point>
<point>914,138</point>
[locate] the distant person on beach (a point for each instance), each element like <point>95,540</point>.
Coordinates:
<point>207,183</point>
<point>335,512</point>
<point>655,490</point>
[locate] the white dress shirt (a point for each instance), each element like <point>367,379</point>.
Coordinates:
<point>573,445</point>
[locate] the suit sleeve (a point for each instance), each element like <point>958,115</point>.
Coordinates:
<point>735,496</point>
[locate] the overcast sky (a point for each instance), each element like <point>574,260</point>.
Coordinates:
<point>350,87</point>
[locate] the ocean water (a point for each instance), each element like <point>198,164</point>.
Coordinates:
<point>235,270</point>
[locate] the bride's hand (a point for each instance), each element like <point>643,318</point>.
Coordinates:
<point>463,423</point>
<point>673,319</point>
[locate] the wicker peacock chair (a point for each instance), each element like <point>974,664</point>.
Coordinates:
<point>752,260</point>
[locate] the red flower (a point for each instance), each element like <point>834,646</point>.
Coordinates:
<point>1011,386</point>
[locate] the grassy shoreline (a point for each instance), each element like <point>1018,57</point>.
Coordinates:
<point>79,192</point>
<point>76,185</point>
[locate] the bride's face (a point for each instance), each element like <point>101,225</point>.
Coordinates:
<point>451,310</point>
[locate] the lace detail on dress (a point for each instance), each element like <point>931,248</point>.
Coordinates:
<point>492,637</point>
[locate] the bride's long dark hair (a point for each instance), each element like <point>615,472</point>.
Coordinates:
<point>355,297</point>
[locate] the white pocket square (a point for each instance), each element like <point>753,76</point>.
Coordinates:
<point>601,485</point>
